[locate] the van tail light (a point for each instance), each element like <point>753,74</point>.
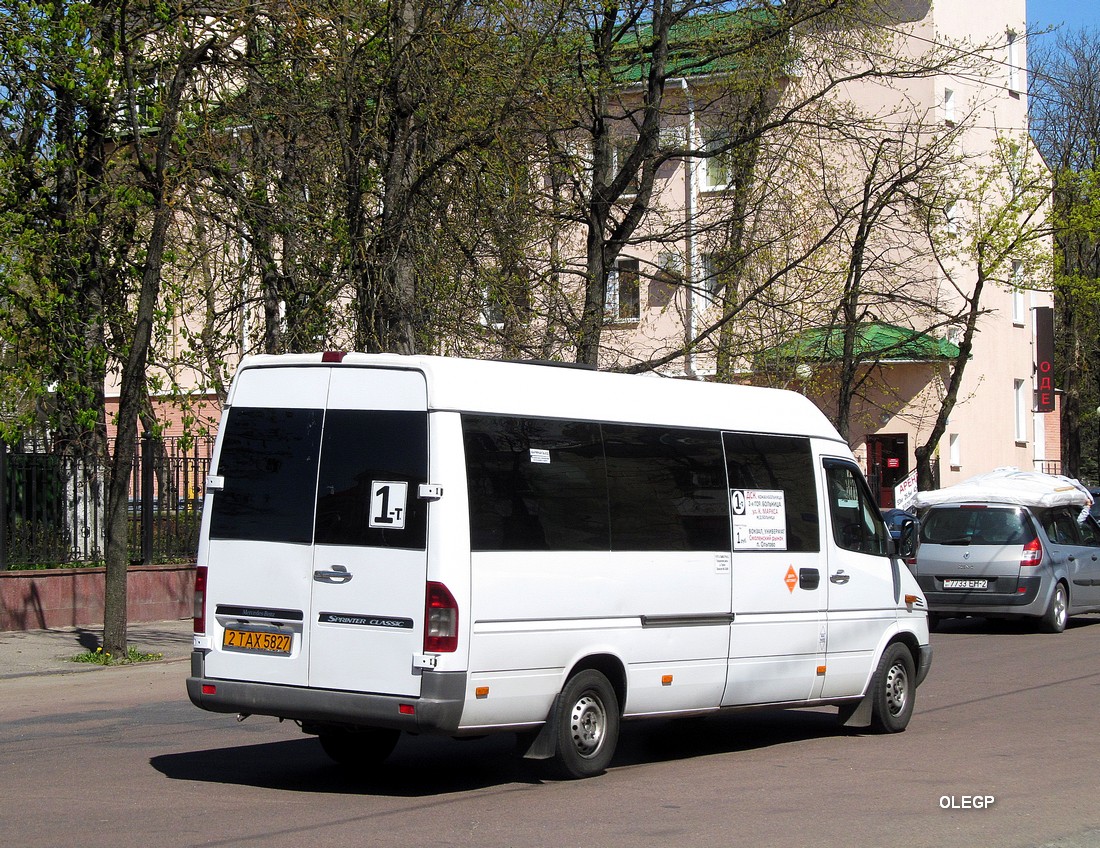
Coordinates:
<point>440,620</point>
<point>200,599</point>
<point>1033,553</point>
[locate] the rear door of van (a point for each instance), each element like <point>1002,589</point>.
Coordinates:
<point>316,553</point>
<point>369,557</point>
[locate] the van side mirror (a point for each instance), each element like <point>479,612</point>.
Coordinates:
<point>907,542</point>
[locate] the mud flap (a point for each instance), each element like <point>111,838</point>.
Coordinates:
<point>545,744</point>
<point>860,715</point>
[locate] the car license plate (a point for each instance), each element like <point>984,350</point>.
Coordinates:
<point>950,583</point>
<point>259,641</point>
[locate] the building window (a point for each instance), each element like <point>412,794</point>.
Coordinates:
<point>667,278</point>
<point>954,450</point>
<point>717,173</point>
<point>1010,61</point>
<point>953,215</point>
<point>1019,308</point>
<point>718,282</point>
<point>1022,408</point>
<point>949,107</point>
<point>622,291</point>
<point>621,148</point>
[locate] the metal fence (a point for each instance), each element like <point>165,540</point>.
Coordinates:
<point>53,508</point>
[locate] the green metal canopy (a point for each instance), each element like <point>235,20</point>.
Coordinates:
<point>875,341</point>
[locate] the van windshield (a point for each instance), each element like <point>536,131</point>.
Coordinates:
<point>974,526</point>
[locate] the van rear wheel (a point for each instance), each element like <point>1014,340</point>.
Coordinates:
<point>894,690</point>
<point>587,726</point>
<point>358,747</point>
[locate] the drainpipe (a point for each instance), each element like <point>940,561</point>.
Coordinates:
<point>692,262</point>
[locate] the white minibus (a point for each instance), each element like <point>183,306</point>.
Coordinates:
<point>440,545</point>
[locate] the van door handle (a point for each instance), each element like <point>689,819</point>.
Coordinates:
<point>840,577</point>
<point>337,574</point>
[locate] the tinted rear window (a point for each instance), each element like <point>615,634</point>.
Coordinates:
<point>361,483</point>
<point>269,462</point>
<point>372,463</point>
<point>984,526</point>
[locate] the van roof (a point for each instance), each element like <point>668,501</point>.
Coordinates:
<point>516,388</point>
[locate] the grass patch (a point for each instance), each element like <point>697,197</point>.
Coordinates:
<point>99,657</point>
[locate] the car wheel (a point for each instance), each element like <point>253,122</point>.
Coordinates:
<point>894,690</point>
<point>368,746</point>
<point>1057,614</point>
<point>588,726</point>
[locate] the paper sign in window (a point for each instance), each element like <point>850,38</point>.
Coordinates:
<point>759,519</point>
<point>387,504</point>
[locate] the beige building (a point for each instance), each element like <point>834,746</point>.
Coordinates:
<point>961,128</point>
<point>949,128</point>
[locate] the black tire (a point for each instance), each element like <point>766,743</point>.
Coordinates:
<point>368,746</point>
<point>894,690</point>
<point>1057,613</point>
<point>587,726</point>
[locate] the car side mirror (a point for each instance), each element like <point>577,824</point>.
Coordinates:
<point>907,541</point>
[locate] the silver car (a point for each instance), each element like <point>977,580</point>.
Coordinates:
<point>1005,560</point>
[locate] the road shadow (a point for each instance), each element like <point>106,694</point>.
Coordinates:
<point>1017,626</point>
<point>423,766</point>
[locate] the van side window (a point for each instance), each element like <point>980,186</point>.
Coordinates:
<point>269,461</point>
<point>535,484</point>
<point>857,522</point>
<point>759,463</point>
<point>666,489</point>
<point>366,452</point>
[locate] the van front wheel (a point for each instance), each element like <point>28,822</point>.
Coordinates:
<point>371,745</point>
<point>894,690</point>
<point>587,725</point>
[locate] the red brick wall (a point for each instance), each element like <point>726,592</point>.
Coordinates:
<point>73,597</point>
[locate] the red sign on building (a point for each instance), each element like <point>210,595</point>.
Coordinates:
<point>1044,359</point>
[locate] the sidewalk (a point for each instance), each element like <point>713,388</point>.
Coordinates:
<point>30,652</point>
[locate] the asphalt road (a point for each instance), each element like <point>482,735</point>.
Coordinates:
<point>120,758</point>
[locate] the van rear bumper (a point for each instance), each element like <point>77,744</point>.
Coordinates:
<point>438,709</point>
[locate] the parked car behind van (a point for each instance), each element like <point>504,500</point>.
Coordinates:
<point>994,557</point>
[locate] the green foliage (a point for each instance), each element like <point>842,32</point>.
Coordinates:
<point>101,657</point>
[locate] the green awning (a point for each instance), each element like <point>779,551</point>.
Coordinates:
<point>875,341</point>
